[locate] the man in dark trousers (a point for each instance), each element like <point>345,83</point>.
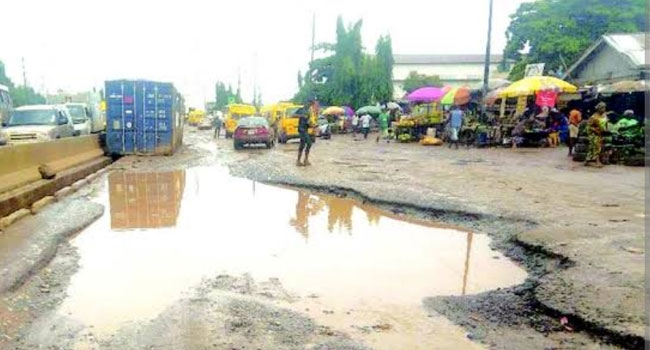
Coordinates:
<point>303,130</point>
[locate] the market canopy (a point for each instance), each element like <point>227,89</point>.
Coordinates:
<point>531,85</point>
<point>623,87</point>
<point>334,110</point>
<point>348,111</point>
<point>458,96</point>
<point>373,110</point>
<point>393,106</point>
<point>426,94</point>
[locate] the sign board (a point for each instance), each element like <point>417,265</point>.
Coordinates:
<point>546,98</point>
<point>521,105</point>
<point>534,70</point>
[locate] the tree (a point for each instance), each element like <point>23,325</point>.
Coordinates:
<point>4,79</point>
<point>20,95</point>
<point>348,76</point>
<point>385,62</point>
<point>557,32</point>
<point>25,95</point>
<point>415,81</point>
<point>300,80</point>
<point>224,96</point>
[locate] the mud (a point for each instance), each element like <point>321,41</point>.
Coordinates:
<point>240,307</point>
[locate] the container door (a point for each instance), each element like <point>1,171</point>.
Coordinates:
<point>164,118</point>
<point>129,110</point>
<point>120,116</point>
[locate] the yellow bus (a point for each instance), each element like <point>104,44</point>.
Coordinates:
<point>287,121</point>
<point>195,117</point>
<point>234,112</point>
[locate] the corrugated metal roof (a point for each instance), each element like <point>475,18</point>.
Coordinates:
<point>631,45</point>
<point>444,59</point>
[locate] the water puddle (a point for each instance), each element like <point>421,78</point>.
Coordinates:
<point>354,267</point>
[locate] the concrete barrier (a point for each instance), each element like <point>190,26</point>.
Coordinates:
<point>30,172</point>
<point>24,164</point>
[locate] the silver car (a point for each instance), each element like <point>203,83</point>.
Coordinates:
<point>37,123</point>
<point>5,108</point>
<point>81,118</point>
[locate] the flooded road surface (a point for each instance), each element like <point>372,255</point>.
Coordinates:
<point>350,266</point>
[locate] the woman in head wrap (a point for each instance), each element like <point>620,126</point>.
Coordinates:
<point>595,128</point>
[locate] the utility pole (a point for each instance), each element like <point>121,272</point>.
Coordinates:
<point>238,83</point>
<point>255,102</point>
<point>24,73</point>
<point>486,72</point>
<point>313,37</point>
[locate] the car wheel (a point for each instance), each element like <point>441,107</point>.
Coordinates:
<point>236,144</point>
<point>269,144</point>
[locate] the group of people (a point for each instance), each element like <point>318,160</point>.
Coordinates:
<point>557,125</point>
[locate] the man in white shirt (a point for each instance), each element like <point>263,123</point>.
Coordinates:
<point>365,125</point>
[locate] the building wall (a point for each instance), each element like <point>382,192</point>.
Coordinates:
<point>450,74</point>
<point>606,65</point>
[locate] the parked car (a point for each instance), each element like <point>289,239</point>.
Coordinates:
<point>253,130</point>
<point>323,128</point>
<point>6,106</point>
<point>81,118</point>
<point>206,123</point>
<point>37,123</point>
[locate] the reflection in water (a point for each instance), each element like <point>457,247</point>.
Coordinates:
<point>382,267</point>
<point>306,206</point>
<point>145,200</point>
<point>339,216</point>
<point>470,235</point>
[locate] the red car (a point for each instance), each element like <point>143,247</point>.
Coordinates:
<point>253,130</point>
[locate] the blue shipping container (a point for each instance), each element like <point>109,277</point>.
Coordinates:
<point>142,117</point>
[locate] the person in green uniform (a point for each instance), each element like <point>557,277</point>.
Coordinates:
<point>383,126</point>
<point>304,124</point>
<point>595,128</point>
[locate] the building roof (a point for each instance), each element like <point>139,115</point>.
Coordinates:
<point>444,59</point>
<point>630,45</point>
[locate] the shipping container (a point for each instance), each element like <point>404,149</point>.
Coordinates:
<point>145,200</point>
<point>143,117</point>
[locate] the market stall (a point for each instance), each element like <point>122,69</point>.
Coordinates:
<point>426,114</point>
<point>530,130</point>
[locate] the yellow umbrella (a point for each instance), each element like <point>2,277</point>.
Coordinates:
<point>531,85</point>
<point>334,110</point>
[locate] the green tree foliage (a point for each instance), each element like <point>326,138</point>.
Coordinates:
<point>20,95</point>
<point>559,31</point>
<point>4,79</point>
<point>224,96</point>
<point>348,76</point>
<point>384,69</point>
<point>25,95</point>
<point>415,81</point>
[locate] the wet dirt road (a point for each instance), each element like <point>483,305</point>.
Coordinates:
<point>355,269</point>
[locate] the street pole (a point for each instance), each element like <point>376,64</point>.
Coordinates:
<point>486,72</point>
<point>24,73</point>
<point>313,37</point>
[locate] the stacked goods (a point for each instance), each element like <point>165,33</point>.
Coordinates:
<point>624,143</point>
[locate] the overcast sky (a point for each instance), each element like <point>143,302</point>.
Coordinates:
<point>77,44</point>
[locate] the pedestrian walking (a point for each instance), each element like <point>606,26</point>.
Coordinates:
<point>595,128</point>
<point>575,117</point>
<point>365,125</point>
<point>383,127</point>
<point>355,125</point>
<point>217,122</point>
<point>303,131</point>
<point>455,123</point>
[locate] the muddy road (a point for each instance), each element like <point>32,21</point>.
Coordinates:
<point>216,249</point>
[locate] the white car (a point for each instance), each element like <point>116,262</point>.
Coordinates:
<point>80,118</point>
<point>37,123</point>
